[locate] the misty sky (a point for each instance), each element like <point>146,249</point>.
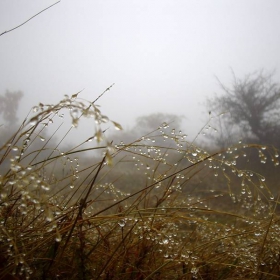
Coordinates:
<point>162,55</point>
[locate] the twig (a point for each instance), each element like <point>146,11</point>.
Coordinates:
<point>29,19</point>
<point>107,89</point>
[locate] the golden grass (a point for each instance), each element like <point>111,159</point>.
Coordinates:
<point>156,208</point>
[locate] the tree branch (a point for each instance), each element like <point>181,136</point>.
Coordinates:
<point>29,19</point>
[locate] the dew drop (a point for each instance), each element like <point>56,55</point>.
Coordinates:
<point>90,139</point>
<point>104,119</point>
<point>74,113</point>
<point>117,126</point>
<point>49,218</point>
<point>58,238</point>
<point>15,168</point>
<point>45,187</point>
<point>33,121</point>
<point>35,109</point>
<point>165,241</point>
<point>121,223</point>
<point>194,270</point>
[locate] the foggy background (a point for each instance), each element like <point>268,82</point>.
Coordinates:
<point>162,55</point>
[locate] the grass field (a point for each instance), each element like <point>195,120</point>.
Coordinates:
<point>159,207</point>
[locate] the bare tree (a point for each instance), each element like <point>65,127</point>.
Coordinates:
<point>9,106</point>
<point>252,106</point>
<point>155,125</point>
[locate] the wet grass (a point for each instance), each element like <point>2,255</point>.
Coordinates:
<point>156,208</point>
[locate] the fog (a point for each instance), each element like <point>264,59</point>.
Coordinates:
<point>161,56</point>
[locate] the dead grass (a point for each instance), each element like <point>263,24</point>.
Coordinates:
<point>183,213</point>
